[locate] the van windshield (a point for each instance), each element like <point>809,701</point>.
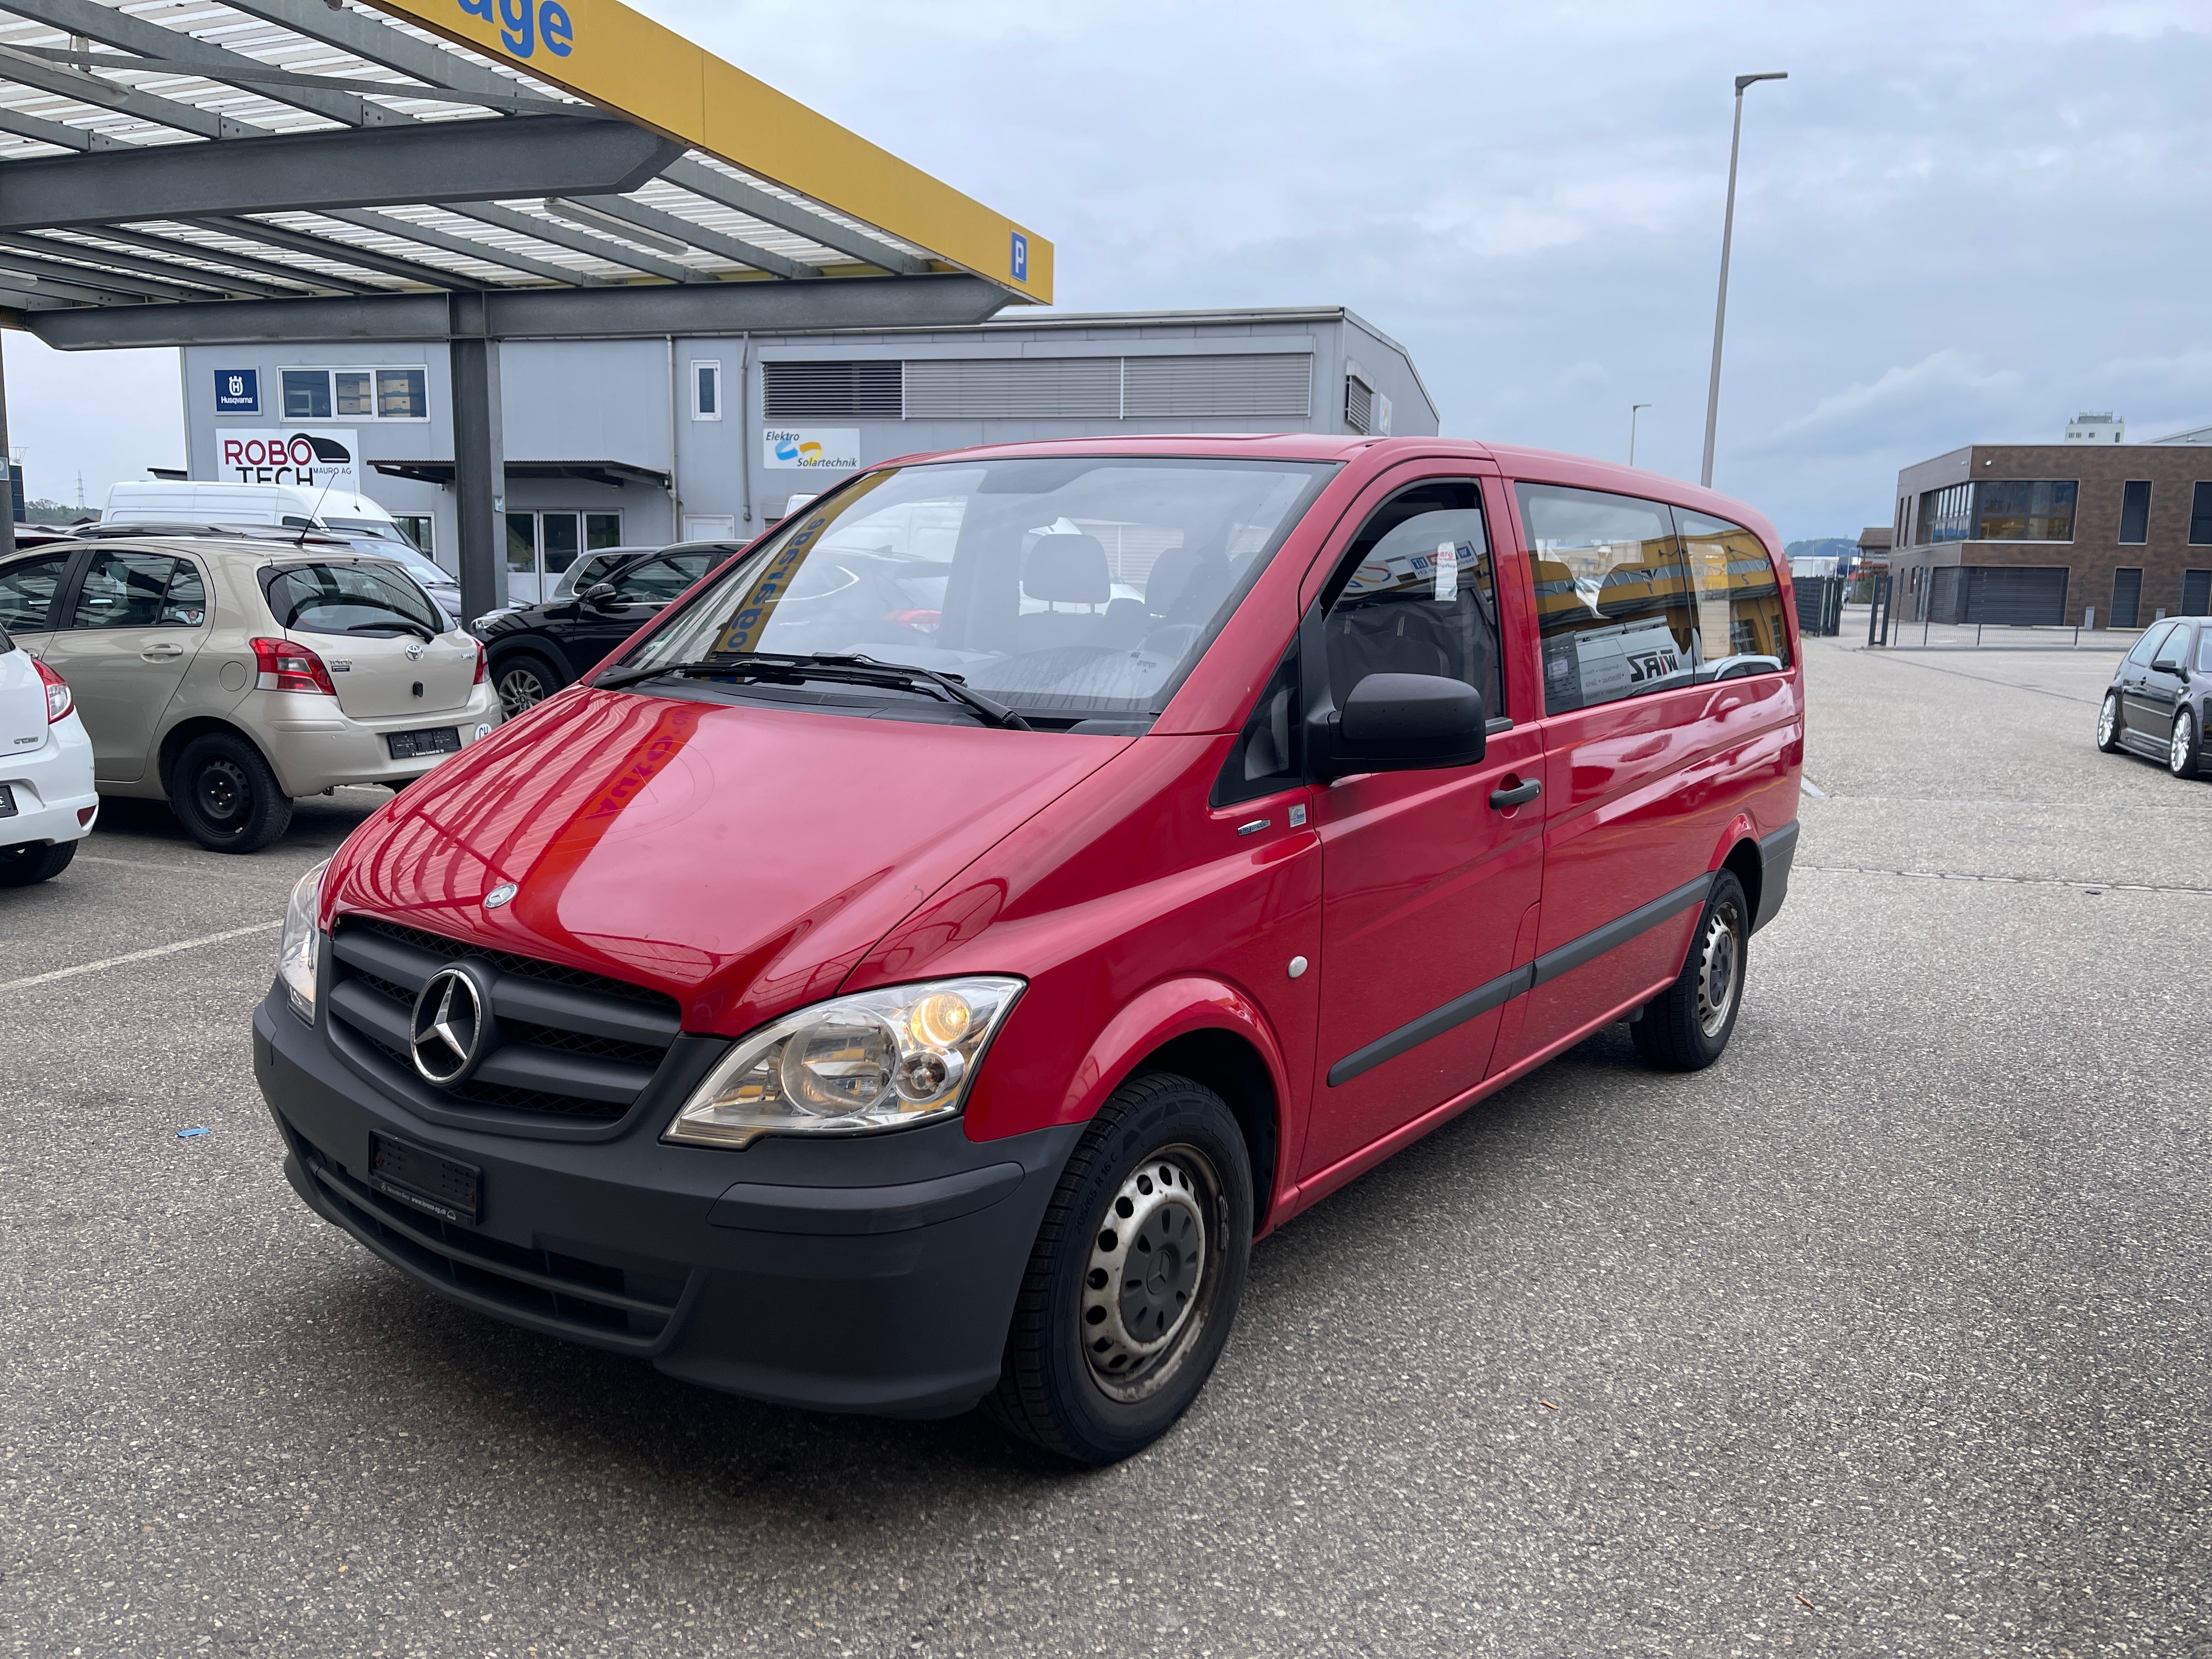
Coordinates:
<point>377,527</point>
<point>1079,586</point>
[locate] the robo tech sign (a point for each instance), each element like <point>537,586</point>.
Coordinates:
<point>271,455</point>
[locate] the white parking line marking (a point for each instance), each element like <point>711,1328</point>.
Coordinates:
<point>138,956</point>
<point>133,864</point>
<point>1811,788</point>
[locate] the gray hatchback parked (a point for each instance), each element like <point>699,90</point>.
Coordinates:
<point>2156,705</point>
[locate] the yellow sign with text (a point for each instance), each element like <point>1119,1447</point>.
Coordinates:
<point>603,51</point>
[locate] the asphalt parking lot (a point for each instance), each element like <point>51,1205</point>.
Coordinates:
<point>1888,1334</point>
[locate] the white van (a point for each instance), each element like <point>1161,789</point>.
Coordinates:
<point>357,517</point>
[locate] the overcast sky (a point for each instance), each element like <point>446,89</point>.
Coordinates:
<point>1956,222</point>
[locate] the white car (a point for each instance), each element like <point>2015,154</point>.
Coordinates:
<point>47,803</point>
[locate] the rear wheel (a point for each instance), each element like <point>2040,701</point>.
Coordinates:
<point>1135,1277</point>
<point>2108,723</point>
<point>523,681</point>
<point>2182,751</point>
<point>26,866</point>
<point>227,798</point>
<point>1686,1026</point>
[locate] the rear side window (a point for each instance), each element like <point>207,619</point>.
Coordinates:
<point>126,589</point>
<point>1414,595</point>
<point>26,592</point>
<point>1738,597</point>
<point>348,598</point>
<point>1614,599</point>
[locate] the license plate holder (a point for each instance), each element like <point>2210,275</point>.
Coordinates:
<point>430,740</point>
<point>430,1182</point>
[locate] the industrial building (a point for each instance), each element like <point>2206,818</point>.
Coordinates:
<point>614,442</point>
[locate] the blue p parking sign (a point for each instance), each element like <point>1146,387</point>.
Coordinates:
<point>238,392</point>
<point>1020,259</point>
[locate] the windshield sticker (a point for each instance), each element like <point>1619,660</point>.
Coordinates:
<point>1447,569</point>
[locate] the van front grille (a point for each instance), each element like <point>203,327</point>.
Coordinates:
<point>570,1045</point>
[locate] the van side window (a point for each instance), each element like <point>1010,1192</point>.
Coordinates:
<point>1270,751</point>
<point>1414,595</point>
<point>1739,599</point>
<point>1612,598</point>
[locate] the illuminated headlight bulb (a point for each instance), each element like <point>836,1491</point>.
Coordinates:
<point>940,1020</point>
<point>929,1074</point>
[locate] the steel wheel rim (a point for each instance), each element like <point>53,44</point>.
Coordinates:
<point>519,688</point>
<point>1154,1266</point>
<point>2108,718</point>
<point>2177,755</point>
<point>1720,972</point>
<point>224,795</point>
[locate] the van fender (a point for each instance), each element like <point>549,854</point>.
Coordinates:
<point>1765,871</point>
<point>1156,1016</point>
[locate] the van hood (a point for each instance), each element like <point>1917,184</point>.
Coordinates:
<point>742,859</point>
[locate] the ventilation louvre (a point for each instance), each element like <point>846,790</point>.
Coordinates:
<point>860,390</point>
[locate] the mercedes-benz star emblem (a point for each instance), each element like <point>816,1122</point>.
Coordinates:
<point>448,1035</point>
<point>499,896</point>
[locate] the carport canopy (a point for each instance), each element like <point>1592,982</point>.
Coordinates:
<point>208,172</point>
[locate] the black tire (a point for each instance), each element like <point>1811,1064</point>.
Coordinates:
<point>225,795</point>
<point>1100,1364</point>
<point>2109,721</point>
<point>2184,750</point>
<point>26,867</point>
<point>1686,1026</point>
<point>524,679</point>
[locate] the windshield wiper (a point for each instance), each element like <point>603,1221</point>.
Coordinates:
<point>419,629</point>
<point>850,670</point>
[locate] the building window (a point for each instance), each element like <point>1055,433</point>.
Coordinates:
<point>706,391</point>
<point>2024,510</point>
<point>2135,513</point>
<point>2196,593</point>
<point>2127,596</point>
<point>418,527</point>
<point>1948,515</point>
<point>2200,517</point>
<point>356,394</point>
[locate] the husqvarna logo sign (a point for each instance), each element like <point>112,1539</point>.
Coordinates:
<point>525,25</point>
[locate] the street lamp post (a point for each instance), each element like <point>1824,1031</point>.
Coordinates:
<point>1632,410</point>
<point>1720,310</point>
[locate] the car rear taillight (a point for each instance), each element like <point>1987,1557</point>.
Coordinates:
<point>282,665</point>
<point>483,668</point>
<point>59,698</point>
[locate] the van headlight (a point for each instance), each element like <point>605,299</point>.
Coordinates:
<point>296,952</point>
<point>879,1059</point>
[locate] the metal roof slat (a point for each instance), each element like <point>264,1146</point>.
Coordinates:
<point>120,28</point>
<point>330,247</point>
<point>577,241</point>
<point>380,41</point>
<point>701,180</point>
<point>50,246</point>
<point>428,236</point>
<point>14,253</point>
<point>708,241</point>
<point>162,111</point>
<point>62,137</point>
<point>154,244</point>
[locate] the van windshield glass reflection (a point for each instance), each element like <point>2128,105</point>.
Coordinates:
<point>1083,586</point>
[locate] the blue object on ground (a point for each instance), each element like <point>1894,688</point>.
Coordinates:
<point>186,1135</point>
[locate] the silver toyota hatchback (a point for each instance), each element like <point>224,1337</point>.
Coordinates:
<point>228,672</point>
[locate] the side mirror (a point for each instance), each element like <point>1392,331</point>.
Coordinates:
<point>599,594</point>
<point>1405,722</point>
<point>2166,666</point>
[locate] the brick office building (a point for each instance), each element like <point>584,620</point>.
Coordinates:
<point>2052,532</point>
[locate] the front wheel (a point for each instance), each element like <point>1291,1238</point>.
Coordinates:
<point>2108,723</point>
<point>524,681</point>
<point>2182,752</point>
<point>1135,1277</point>
<point>1687,1026</point>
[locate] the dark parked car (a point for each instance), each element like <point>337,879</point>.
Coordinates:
<point>538,648</point>
<point>2155,705</point>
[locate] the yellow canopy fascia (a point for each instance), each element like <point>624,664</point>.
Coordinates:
<point>624,61</point>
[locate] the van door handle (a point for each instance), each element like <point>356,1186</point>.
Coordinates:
<point>1501,798</point>
<point>162,653</point>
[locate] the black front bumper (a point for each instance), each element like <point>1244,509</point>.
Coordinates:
<point>875,1273</point>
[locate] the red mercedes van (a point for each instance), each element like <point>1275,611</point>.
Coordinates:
<point>910,973</point>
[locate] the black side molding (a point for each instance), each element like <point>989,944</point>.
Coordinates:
<point>1775,853</point>
<point>1524,979</point>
